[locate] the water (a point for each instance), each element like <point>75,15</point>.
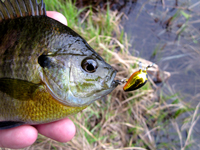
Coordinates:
<point>162,33</point>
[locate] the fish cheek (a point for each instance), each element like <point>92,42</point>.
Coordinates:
<point>82,84</point>
<point>82,90</point>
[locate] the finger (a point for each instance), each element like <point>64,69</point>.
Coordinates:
<point>18,137</point>
<point>62,130</point>
<point>57,16</point>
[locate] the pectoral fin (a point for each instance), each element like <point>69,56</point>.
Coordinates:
<point>10,124</point>
<point>18,89</point>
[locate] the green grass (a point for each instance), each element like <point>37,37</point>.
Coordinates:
<point>67,8</point>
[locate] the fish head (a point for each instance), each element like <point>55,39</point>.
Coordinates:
<point>77,76</point>
<point>92,79</point>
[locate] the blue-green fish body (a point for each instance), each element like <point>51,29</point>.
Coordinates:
<point>47,71</point>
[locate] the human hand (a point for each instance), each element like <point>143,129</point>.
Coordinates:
<point>25,135</point>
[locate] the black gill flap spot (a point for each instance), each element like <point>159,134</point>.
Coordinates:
<point>44,61</point>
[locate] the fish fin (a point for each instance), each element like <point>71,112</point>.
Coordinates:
<point>11,9</point>
<point>4,11</point>
<point>18,89</point>
<point>10,124</point>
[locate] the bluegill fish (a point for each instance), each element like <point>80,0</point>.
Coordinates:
<point>47,71</point>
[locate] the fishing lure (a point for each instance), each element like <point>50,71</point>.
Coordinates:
<point>137,79</point>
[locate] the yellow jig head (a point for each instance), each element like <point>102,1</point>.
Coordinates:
<point>137,79</point>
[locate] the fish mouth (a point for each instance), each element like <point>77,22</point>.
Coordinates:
<point>114,83</point>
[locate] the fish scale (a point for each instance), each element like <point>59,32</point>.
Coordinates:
<point>21,54</point>
<point>35,112</point>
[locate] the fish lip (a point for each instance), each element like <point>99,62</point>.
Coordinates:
<point>114,83</point>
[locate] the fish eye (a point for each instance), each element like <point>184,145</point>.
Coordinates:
<point>89,65</point>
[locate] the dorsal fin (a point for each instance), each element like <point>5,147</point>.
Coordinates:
<point>10,9</point>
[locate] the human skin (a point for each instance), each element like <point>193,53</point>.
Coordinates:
<point>25,135</point>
